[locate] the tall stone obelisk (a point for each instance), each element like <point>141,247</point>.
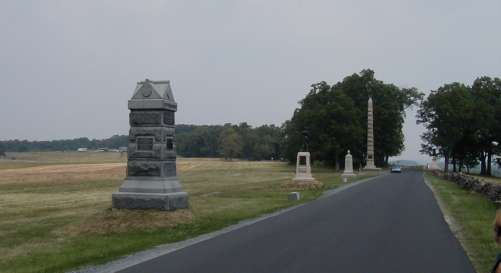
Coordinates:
<point>370,138</point>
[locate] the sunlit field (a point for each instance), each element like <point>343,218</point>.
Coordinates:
<point>55,208</point>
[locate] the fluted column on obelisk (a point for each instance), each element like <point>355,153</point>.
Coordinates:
<point>370,138</point>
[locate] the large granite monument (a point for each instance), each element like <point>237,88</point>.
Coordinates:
<point>151,181</point>
<point>370,138</point>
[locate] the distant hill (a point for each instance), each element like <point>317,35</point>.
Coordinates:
<point>16,145</point>
<point>404,162</point>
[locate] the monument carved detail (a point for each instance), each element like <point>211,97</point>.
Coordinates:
<point>169,118</point>
<point>145,118</point>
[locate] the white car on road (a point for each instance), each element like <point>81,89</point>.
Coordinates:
<point>396,169</point>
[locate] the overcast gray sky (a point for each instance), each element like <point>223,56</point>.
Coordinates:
<point>69,67</point>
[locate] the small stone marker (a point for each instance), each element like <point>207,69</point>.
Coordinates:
<point>294,196</point>
<point>434,165</point>
<point>151,181</point>
<point>348,165</point>
<point>303,170</point>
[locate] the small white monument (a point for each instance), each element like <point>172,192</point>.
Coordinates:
<point>303,168</point>
<point>348,165</point>
<point>434,165</point>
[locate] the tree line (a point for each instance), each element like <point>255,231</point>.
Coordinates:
<point>335,116</point>
<point>463,124</point>
<point>16,145</point>
<point>228,141</point>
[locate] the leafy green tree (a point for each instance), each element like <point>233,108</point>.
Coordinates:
<point>487,98</point>
<point>198,141</point>
<point>230,143</point>
<point>2,150</point>
<point>264,142</point>
<point>249,139</point>
<point>447,115</point>
<point>267,139</point>
<point>390,104</point>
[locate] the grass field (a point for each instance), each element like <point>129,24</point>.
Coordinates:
<point>471,216</point>
<point>55,208</point>
<point>23,160</point>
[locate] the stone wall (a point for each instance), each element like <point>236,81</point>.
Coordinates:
<point>488,189</point>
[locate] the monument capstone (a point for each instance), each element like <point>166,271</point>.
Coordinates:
<point>151,181</point>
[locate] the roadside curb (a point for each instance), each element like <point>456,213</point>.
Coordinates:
<point>160,250</point>
<point>454,227</point>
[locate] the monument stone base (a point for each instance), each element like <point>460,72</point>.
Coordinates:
<point>348,174</point>
<point>371,167</point>
<point>150,193</point>
<point>162,201</point>
<point>303,179</point>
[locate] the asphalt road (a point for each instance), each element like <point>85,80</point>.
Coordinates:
<point>390,224</point>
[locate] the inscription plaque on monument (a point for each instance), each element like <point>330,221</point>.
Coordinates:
<point>151,181</point>
<point>145,144</point>
<point>145,118</point>
<point>169,118</point>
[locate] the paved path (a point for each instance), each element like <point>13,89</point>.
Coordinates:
<point>390,224</point>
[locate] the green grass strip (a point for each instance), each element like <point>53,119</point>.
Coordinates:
<point>472,218</point>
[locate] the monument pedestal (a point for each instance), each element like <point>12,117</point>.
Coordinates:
<point>161,201</point>
<point>150,193</point>
<point>304,179</point>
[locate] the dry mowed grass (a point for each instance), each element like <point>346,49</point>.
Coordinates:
<point>55,208</point>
